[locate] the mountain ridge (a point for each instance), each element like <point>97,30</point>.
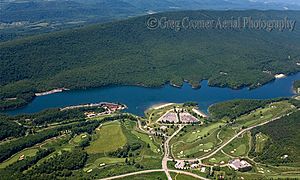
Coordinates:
<point>128,53</point>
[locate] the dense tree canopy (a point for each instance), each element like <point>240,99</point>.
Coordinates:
<point>127,52</point>
<point>235,108</point>
<point>284,137</point>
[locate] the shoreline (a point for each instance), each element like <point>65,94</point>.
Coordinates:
<point>200,113</point>
<point>53,91</point>
<point>280,76</point>
<point>161,105</point>
<point>4,110</point>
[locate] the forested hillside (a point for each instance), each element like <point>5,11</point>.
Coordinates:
<point>283,143</point>
<point>128,53</point>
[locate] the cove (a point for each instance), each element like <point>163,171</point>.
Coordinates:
<point>138,99</point>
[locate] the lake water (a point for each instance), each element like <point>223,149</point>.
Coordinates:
<point>138,99</point>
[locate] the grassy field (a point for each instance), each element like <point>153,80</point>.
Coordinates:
<point>218,158</point>
<point>177,176</point>
<point>183,149</point>
<point>103,161</point>
<point>195,141</point>
<point>260,141</point>
<point>109,138</point>
<point>28,153</point>
<point>103,165</point>
<point>78,138</point>
<point>148,140</point>
<point>238,147</point>
<point>202,131</point>
<point>154,175</point>
<point>264,114</point>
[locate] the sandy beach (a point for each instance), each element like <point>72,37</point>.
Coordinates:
<point>199,113</point>
<point>279,76</point>
<point>159,106</point>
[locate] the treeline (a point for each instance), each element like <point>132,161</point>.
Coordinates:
<point>57,115</point>
<point>235,108</point>
<point>188,104</point>
<point>9,128</point>
<point>295,102</point>
<point>14,171</point>
<point>60,165</point>
<point>284,145</point>
<point>127,151</point>
<point>8,149</point>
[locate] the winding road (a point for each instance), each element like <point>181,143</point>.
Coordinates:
<point>152,171</point>
<point>167,153</point>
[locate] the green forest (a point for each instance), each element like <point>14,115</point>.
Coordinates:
<point>128,53</point>
<point>235,108</point>
<point>283,144</point>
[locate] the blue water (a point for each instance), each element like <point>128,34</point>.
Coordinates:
<point>138,99</point>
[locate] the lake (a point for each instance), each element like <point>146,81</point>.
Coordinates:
<point>138,99</point>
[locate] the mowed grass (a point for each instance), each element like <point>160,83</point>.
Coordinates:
<point>177,176</point>
<point>194,135</point>
<point>218,158</point>
<point>260,139</point>
<point>265,114</point>
<point>147,140</point>
<point>239,146</point>
<point>109,138</point>
<point>197,148</point>
<point>154,175</point>
<point>15,158</point>
<point>103,161</point>
<point>77,139</point>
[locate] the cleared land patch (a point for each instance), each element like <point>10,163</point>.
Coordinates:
<point>109,138</point>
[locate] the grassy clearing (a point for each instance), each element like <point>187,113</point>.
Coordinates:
<point>109,138</point>
<point>108,160</point>
<point>218,158</point>
<point>154,175</point>
<point>239,146</point>
<point>147,140</point>
<point>198,148</point>
<point>195,134</point>
<point>264,114</point>
<point>27,153</point>
<point>261,140</point>
<point>103,161</point>
<point>177,176</point>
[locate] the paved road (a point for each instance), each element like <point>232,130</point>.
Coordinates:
<point>230,140</point>
<point>238,134</point>
<point>189,174</point>
<point>167,153</point>
<point>154,170</point>
<point>134,173</point>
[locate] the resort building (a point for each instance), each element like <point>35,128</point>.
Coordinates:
<point>240,165</point>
